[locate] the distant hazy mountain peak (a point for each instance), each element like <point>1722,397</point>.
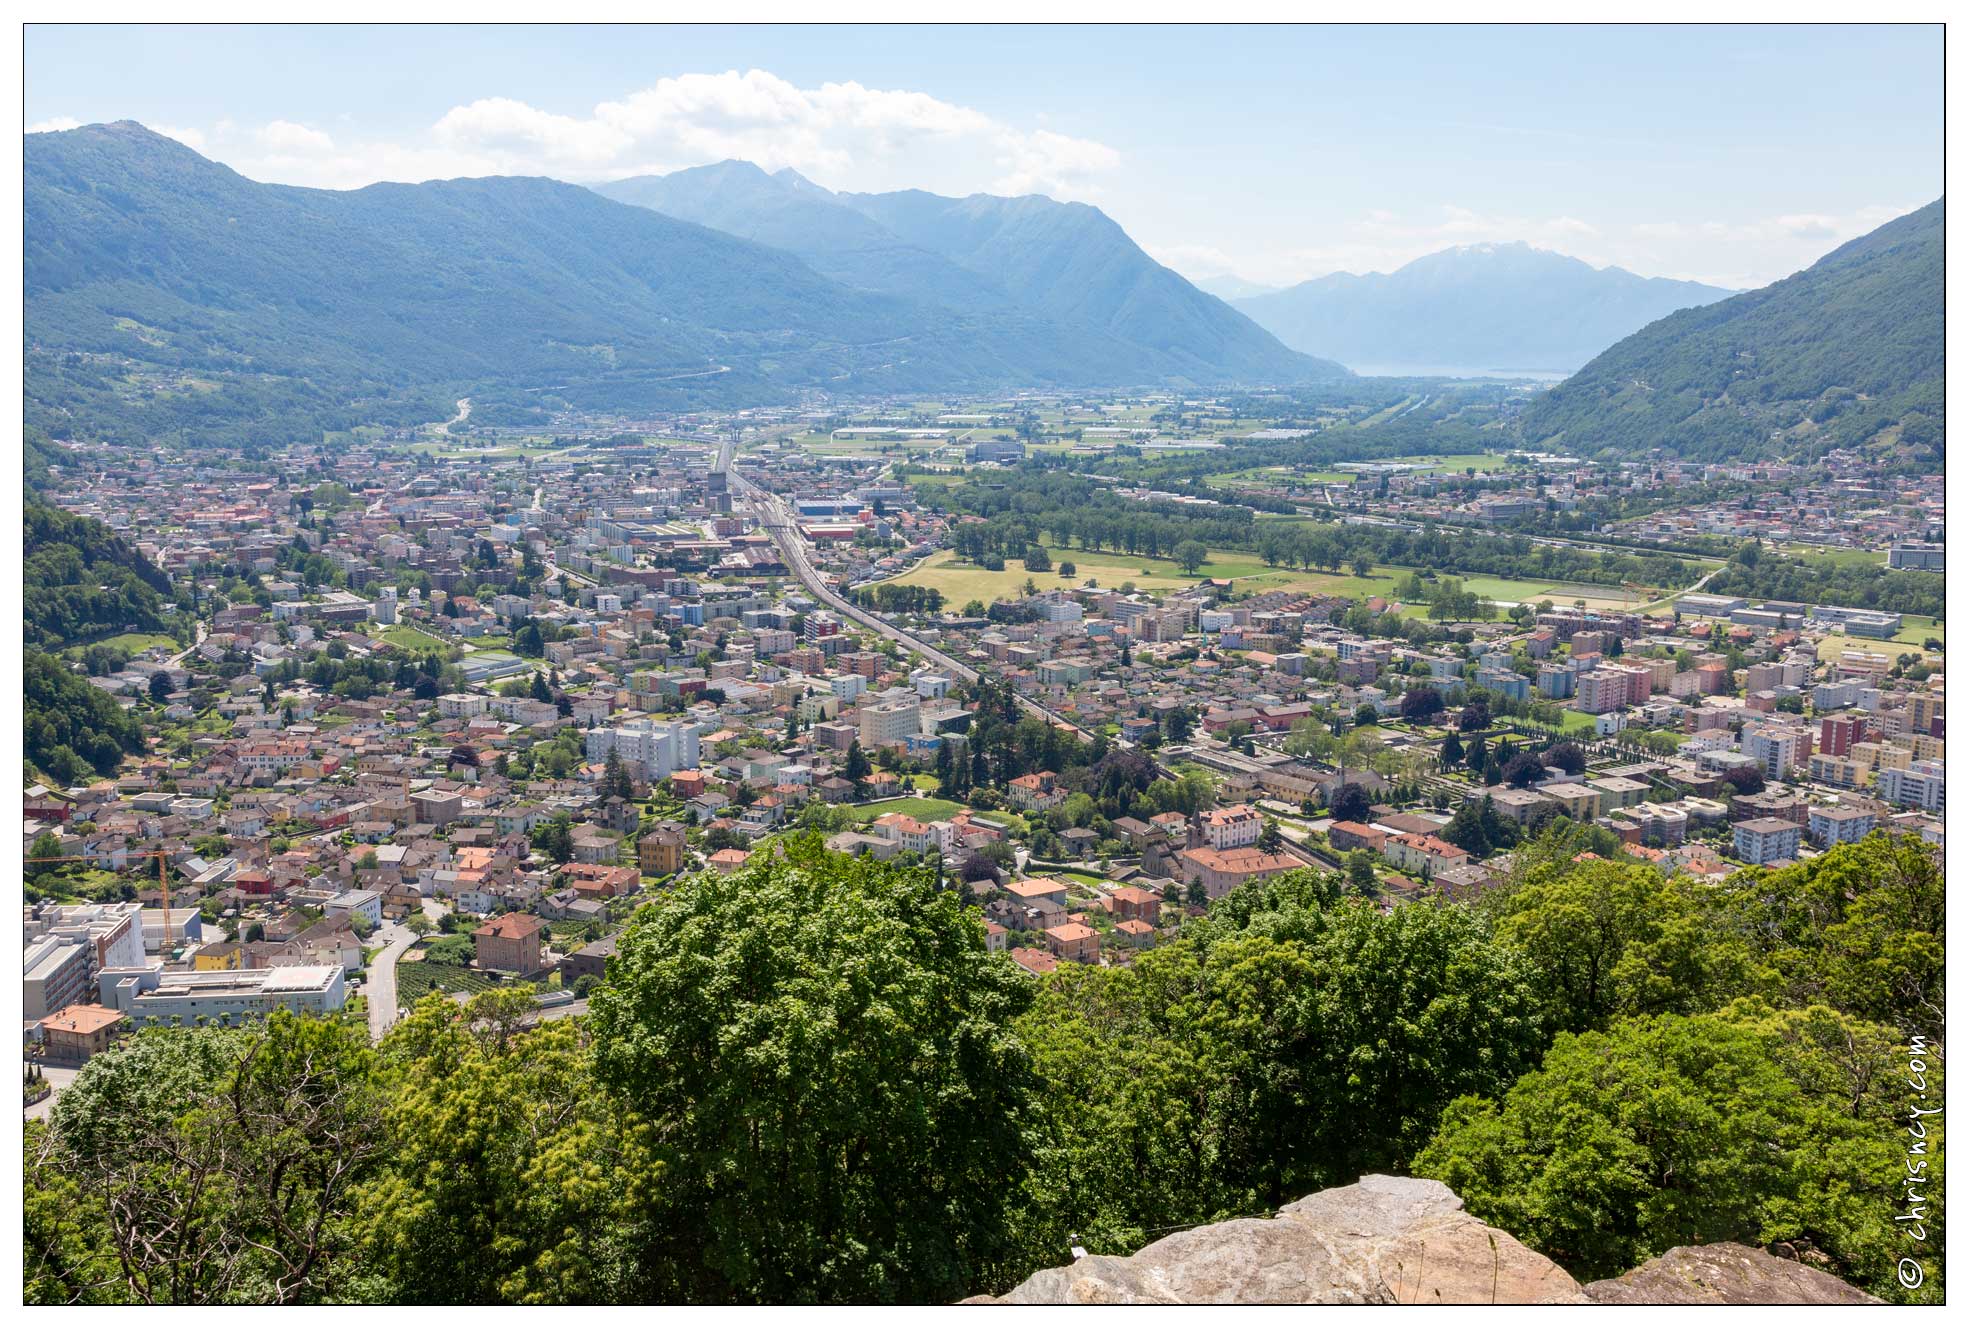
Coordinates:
<point>731,168</point>
<point>1232,287</point>
<point>786,175</point>
<point>1488,306</point>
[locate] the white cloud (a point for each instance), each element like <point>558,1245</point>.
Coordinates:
<point>844,135</point>
<point>513,132</point>
<point>191,138</point>
<point>1049,163</point>
<point>284,136</point>
<point>55,125</point>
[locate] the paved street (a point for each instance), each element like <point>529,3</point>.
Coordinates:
<point>59,1078</point>
<point>380,980</point>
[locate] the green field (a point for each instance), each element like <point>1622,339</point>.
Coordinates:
<point>962,582</point>
<point>410,639</point>
<point>1461,461</point>
<point>129,643</point>
<point>923,809</point>
<point>820,444</point>
<point>1844,558</point>
<point>1915,629</point>
<point>1514,590</point>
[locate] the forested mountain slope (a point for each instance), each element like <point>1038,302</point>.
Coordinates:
<point>1058,269</point>
<point>166,294</point>
<point>1847,352</point>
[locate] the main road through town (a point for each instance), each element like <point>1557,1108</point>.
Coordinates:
<point>777,518</point>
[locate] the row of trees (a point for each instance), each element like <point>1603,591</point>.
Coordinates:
<point>1028,506</point>
<point>890,598</point>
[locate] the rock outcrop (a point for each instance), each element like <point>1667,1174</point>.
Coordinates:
<point>1725,1274</point>
<point>1386,1240</point>
<point>1407,1241</point>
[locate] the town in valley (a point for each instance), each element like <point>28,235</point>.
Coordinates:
<point>435,710</point>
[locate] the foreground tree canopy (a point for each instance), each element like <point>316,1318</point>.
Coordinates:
<point>811,1081</point>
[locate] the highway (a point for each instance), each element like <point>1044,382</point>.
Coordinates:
<point>777,519</point>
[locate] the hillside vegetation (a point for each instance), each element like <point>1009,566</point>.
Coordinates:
<point>1847,352</point>
<point>80,580</point>
<point>72,730</point>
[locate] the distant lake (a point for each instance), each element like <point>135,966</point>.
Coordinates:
<point>1438,371</point>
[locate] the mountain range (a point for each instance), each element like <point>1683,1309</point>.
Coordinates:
<point>1476,308</point>
<point>246,302</point>
<point>1065,263</point>
<point>1847,352</point>
<point>167,295</point>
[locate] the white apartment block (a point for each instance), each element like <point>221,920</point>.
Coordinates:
<point>893,723</point>
<point>148,995</point>
<point>1775,749</point>
<point>1916,785</point>
<point>660,749</point>
<point>1767,840</point>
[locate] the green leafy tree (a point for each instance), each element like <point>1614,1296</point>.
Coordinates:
<point>210,1166</point>
<point>1360,873</point>
<point>1283,1045</point>
<point>1611,938</point>
<point>1861,927</point>
<point>1750,1124</point>
<point>555,838</point>
<point>514,1178</point>
<point>822,1045</point>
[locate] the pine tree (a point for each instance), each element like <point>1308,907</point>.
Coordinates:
<point>615,777</point>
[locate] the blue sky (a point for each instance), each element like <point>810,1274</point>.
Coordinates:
<point>1726,154</point>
